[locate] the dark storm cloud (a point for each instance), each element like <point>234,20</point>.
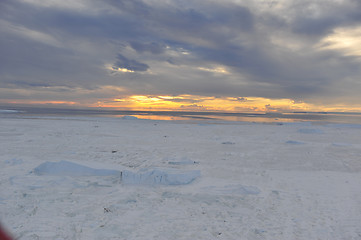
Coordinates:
<point>68,46</point>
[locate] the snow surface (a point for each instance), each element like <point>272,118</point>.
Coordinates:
<point>243,180</point>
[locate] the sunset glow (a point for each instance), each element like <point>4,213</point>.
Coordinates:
<point>193,103</point>
<point>204,103</point>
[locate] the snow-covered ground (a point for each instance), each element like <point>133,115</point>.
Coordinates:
<point>141,179</point>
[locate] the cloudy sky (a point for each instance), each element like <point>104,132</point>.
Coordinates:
<point>231,55</point>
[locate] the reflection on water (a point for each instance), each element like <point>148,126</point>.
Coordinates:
<point>348,118</point>
<point>152,117</point>
<point>353,118</point>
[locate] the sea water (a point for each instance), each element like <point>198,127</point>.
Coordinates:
<point>267,117</point>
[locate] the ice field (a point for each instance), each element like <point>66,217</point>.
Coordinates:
<point>110,178</point>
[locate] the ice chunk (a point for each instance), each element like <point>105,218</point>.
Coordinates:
<point>294,142</point>
<point>129,118</point>
<point>160,176</point>
<point>65,168</point>
<point>9,111</point>
<point>309,130</point>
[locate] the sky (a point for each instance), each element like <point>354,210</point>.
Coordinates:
<point>201,55</point>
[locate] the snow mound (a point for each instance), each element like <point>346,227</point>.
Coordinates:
<point>160,176</point>
<point>65,168</point>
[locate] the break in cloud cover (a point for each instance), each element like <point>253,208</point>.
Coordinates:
<point>107,52</point>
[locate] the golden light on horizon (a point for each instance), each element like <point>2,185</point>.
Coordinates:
<point>185,102</point>
<point>207,103</point>
<point>193,103</point>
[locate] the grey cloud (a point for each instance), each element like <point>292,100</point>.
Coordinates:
<point>130,64</point>
<point>182,100</point>
<point>239,17</point>
<point>240,99</point>
<point>321,18</point>
<point>28,63</point>
<point>153,47</point>
<point>315,26</point>
<point>66,23</point>
<point>172,21</point>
